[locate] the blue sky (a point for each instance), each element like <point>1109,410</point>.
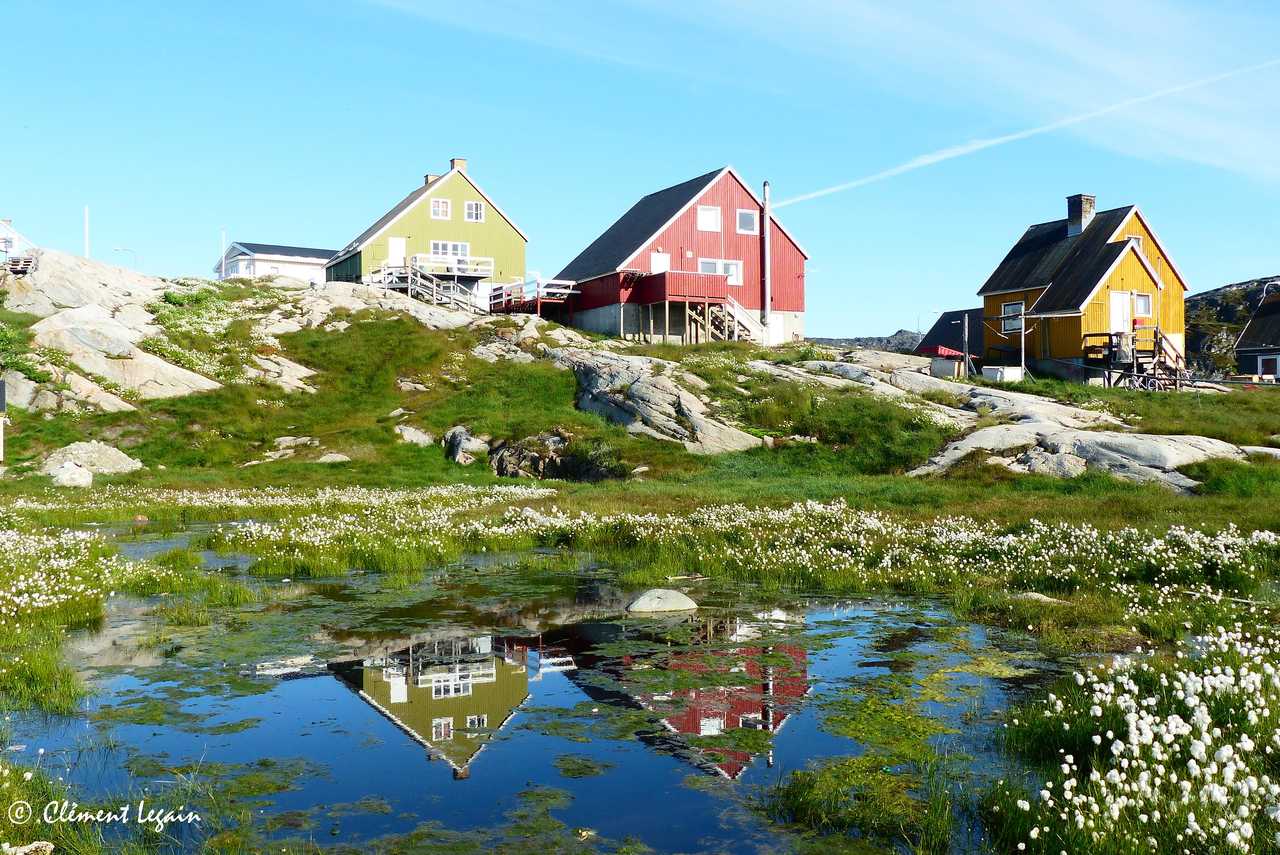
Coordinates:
<point>301,122</point>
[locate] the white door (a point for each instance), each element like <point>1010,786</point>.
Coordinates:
<point>659,262</point>
<point>395,251</point>
<point>1121,311</point>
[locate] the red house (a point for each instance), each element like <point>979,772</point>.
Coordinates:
<point>690,263</point>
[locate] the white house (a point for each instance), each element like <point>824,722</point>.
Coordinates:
<point>269,259</point>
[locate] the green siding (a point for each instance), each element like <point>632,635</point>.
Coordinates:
<point>346,270</point>
<point>494,238</point>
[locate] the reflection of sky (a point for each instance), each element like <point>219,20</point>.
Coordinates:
<point>362,754</point>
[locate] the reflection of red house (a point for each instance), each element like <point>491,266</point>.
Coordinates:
<point>764,702</point>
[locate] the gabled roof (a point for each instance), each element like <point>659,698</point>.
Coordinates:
<point>1263,329</point>
<point>645,220</point>
<point>1045,252</point>
<point>281,249</point>
<point>948,333</point>
<point>417,195</point>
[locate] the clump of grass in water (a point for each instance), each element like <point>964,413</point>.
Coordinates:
<point>581,766</point>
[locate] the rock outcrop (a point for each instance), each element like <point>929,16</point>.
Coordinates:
<point>71,474</point>
<point>66,392</point>
<point>461,447</point>
<point>309,308</point>
<point>642,394</point>
<point>96,457</point>
<point>414,436</point>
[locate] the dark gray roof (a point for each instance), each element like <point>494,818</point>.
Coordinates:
<point>607,252</point>
<point>1069,266</point>
<point>418,193</point>
<point>1263,329</point>
<point>281,249</point>
<point>947,332</point>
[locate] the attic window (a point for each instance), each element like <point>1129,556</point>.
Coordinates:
<point>441,209</point>
<point>708,218</point>
<point>748,222</point>
<point>473,212</point>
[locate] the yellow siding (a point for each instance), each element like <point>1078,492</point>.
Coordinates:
<point>1063,335</point>
<point>1133,227</point>
<point>991,311</point>
<point>1132,275</point>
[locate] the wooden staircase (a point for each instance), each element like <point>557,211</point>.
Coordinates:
<point>727,321</point>
<point>423,286</point>
<point>1144,359</point>
<point>20,265</point>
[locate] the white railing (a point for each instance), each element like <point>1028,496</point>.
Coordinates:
<point>12,243</point>
<point>745,317</point>
<point>529,290</point>
<point>453,265</point>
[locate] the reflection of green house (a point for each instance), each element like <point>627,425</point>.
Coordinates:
<point>451,696</point>
<point>448,228</point>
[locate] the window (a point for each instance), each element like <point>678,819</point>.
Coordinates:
<point>1267,365</point>
<point>708,218</point>
<point>1011,316</point>
<point>1142,305</point>
<point>451,248</point>
<point>441,209</point>
<point>748,222</point>
<point>441,728</point>
<point>476,722</point>
<point>473,212</point>
<point>725,267</point>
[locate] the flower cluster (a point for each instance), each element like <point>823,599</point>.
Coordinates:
<point>1180,753</point>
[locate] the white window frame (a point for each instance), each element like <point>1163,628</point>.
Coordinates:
<point>1008,324</point>
<point>1275,364</point>
<point>450,249</point>
<point>1151,305</point>
<point>707,210</point>
<point>445,209</point>
<point>441,729</point>
<point>755,221</point>
<point>722,267</point>
<point>473,212</point>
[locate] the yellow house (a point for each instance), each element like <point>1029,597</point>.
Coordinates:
<point>1094,296</point>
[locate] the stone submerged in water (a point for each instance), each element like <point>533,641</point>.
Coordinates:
<point>661,600</point>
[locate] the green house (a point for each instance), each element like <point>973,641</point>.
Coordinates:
<point>448,228</point>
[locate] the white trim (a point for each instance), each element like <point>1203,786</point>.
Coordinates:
<point>707,209</point>
<point>1151,305</point>
<point>1154,239</point>
<point>446,203</point>
<point>466,211</point>
<point>719,271</point>
<point>737,221</point>
<point>728,170</point>
<point>347,252</point>
<point>1130,246</point>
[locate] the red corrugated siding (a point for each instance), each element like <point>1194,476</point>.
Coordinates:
<point>686,245</point>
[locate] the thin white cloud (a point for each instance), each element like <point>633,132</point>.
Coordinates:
<point>974,146</point>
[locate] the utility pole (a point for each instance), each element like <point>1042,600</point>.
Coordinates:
<point>768,267</point>
<point>1022,335</point>
<point>3,419</point>
<point>86,231</point>
<point>222,259</point>
<point>964,328</point>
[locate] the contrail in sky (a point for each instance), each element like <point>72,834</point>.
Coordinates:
<point>972,146</point>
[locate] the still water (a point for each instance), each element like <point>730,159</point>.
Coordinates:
<point>344,712</point>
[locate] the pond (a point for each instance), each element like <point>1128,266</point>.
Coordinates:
<point>507,697</point>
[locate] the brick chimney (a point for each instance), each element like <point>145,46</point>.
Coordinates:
<point>429,177</point>
<point>1079,213</point>
<point>458,163</point>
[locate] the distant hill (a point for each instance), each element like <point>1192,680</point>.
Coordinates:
<point>1215,319</point>
<point>903,341</point>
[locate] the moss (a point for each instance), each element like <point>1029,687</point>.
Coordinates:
<point>581,766</point>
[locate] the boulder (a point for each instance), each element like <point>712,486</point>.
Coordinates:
<point>333,457</point>
<point>1265,450</point>
<point>295,442</point>
<point>657,600</point>
<point>19,390</point>
<point>282,372</point>
<point>500,350</point>
<point>96,457</point>
<point>1040,462</point>
<point>640,393</point>
<point>413,435</point>
<point>71,474</point>
<point>461,447</point>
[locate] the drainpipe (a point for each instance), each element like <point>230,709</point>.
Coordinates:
<point>768,265</point>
